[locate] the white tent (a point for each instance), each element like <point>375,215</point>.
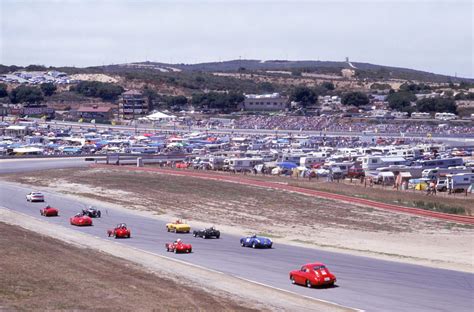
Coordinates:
<point>160,116</point>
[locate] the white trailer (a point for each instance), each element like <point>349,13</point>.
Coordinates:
<point>242,164</point>
<point>436,173</point>
<point>459,182</point>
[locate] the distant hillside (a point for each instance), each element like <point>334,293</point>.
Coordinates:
<point>363,70</point>
<point>368,71</point>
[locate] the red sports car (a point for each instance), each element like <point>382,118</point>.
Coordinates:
<point>120,231</point>
<point>49,211</point>
<point>80,220</point>
<point>313,274</point>
<point>178,246</point>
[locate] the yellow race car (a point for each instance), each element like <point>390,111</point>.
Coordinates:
<point>178,226</point>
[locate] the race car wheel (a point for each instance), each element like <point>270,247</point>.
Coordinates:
<point>218,236</point>
<point>176,251</point>
<point>168,229</point>
<point>308,284</point>
<point>292,280</point>
<point>194,234</point>
<point>242,244</point>
<point>253,245</point>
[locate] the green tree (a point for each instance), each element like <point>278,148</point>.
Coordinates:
<point>179,101</point>
<point>328,85</point>
<point>151,96</point>
<point>465,85</point>
<point>3,90</point>
<point>267,87</point>
<point>355,98</point>
<point>400,101</point>
<point>103,90</point>
<point>35,68</point>
<point>440,105</point>
<point>380,86</point>
<point>220,101</point>
<point>48,88</point>
<point>26,94</point>
<point>297,72</point>
<point>304,95</point>
<point>414,88</point>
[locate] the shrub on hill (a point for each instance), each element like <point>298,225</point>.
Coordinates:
<point>355,98</point>
<point>26,94</point>
<point>105,91</point>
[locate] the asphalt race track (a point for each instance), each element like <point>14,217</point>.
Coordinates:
<point>33,164</point>
<point>364,283</point>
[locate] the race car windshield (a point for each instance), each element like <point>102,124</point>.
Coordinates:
<point>319,267</point>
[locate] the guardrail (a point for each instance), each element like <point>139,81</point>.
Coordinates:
<point>119,159</point>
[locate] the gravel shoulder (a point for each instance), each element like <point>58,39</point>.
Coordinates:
<point>287,217</point>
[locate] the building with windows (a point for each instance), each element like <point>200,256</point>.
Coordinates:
<point>95,112</point>
<point>265,102</point>
<point>133,105</point>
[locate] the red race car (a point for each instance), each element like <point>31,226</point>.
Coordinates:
<point>313,274</point>
<point>179,246</point>
<point>120,231</point>
<point>80,220</point>
<point>49,211</point>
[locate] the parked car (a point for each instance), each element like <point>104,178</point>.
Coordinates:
<point>355,173</point>
<point>35,196</point>
<point>255,241</point>
<point>179,247</point>
<point>92,212</point>
<point>313,274</point>
<point>207,233</point>
<point>178,226</point>
<point>80,220</point>
<point>120,231</point>
<point>49,211</point>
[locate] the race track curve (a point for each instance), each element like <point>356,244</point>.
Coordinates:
<point>364,283</point>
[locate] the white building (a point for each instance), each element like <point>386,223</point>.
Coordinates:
<point>265,102</point>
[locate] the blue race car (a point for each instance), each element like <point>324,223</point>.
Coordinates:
<point>255,241</point>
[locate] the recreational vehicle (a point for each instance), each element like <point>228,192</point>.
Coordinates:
<point>217,163</point>
<point>374,162</point>
<point>409,153</point>
<point>445,116</point>
<point>420,116</point>
<point>440,163</point>
<point>242,164</point>
<point>459,182</point>
<point>435,173</point>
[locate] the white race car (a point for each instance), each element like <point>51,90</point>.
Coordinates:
<point>35,196</point>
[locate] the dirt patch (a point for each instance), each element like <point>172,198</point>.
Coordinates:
<point>41,273</point>
<point>290,217</point>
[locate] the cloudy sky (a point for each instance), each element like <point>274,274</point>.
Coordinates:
<point>431,35</point>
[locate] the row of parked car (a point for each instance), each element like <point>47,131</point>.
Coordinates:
<point>311,274</point>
